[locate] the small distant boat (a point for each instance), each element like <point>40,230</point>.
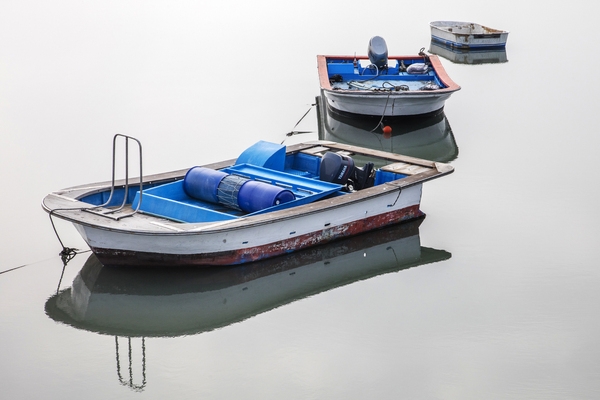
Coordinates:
<point>466,56</point>
<point>269,201</point>
<point>384,86</point>
<point>467,35</point>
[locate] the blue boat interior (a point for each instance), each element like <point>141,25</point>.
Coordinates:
<point>263,179</point>
<point>341,72</point>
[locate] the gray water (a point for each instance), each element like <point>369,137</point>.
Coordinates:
<point>493,296</point>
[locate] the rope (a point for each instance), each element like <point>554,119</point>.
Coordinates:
<point>67,253</point>
<point>424,55</point>
<point>397,197</point>
<point>383,113</point>
<point>294,132</point>
<point>12,269</point>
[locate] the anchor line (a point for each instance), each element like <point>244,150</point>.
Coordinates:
<point>67,253</point>
<point>383,113</point>
<point>380,123</point>
<point>293,132</point>
<point>12,269</point>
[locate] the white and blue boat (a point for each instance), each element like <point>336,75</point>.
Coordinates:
<point>467,35</point>
<point>382,85</point>
<point>269,201</point>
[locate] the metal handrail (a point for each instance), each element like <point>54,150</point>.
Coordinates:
<point>112,188</point>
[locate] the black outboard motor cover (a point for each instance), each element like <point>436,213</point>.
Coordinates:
<point>336,168</point>
<point>363,177</point>
<point>378,52</point>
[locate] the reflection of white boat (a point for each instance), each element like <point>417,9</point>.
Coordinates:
<point>486,56</point>
<point>467,35</point>
<point>168,302</point>
<point>380,85</point>
<point>428,137</point>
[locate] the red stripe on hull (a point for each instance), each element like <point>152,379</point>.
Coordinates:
<point>244,255</point>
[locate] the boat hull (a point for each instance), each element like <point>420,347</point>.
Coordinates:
<point>392,104</point>
<point>395,93</point>
<point>162,232</point>
<point>467,35</point>
<point>256,241</point>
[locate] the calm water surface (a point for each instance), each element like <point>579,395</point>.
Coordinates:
<point>492,296</point>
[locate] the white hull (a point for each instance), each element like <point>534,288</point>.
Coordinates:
<point>388,104</point>
<point>266,233</point>
<point>393,93</point>
<point>467,35</point>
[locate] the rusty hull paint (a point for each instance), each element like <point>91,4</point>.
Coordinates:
<point>244,255</point>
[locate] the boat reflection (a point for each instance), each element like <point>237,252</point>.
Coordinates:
<point>429,137</point>
<point>171,302</point>
<point>487,56</point>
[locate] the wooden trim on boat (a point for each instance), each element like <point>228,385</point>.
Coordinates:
<point>323,76</point>
<point>442,74</point>
<point>434,59</point>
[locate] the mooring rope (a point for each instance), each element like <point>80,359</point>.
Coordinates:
<point>13,269</point>
<point>383,113</point>
<point>67,253</point>
<point>293,131</point>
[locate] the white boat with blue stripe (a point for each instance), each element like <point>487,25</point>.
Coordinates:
<point>382,85</point>
<point>467,35</point>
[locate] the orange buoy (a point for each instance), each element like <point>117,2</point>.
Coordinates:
<point>387,131</point>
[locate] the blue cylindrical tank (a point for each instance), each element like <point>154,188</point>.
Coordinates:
<point>233,191</point>
<point>255,196</point>
<point>202,183</point>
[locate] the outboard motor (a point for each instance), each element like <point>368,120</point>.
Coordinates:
<point>336,168</point>
<point>340,169</point>
<point>378,52</point>
<point>363,177</point>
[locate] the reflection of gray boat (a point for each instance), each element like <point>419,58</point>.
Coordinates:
<point>427,137</point>
<point>166,302</point>
<point>485,56</point>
